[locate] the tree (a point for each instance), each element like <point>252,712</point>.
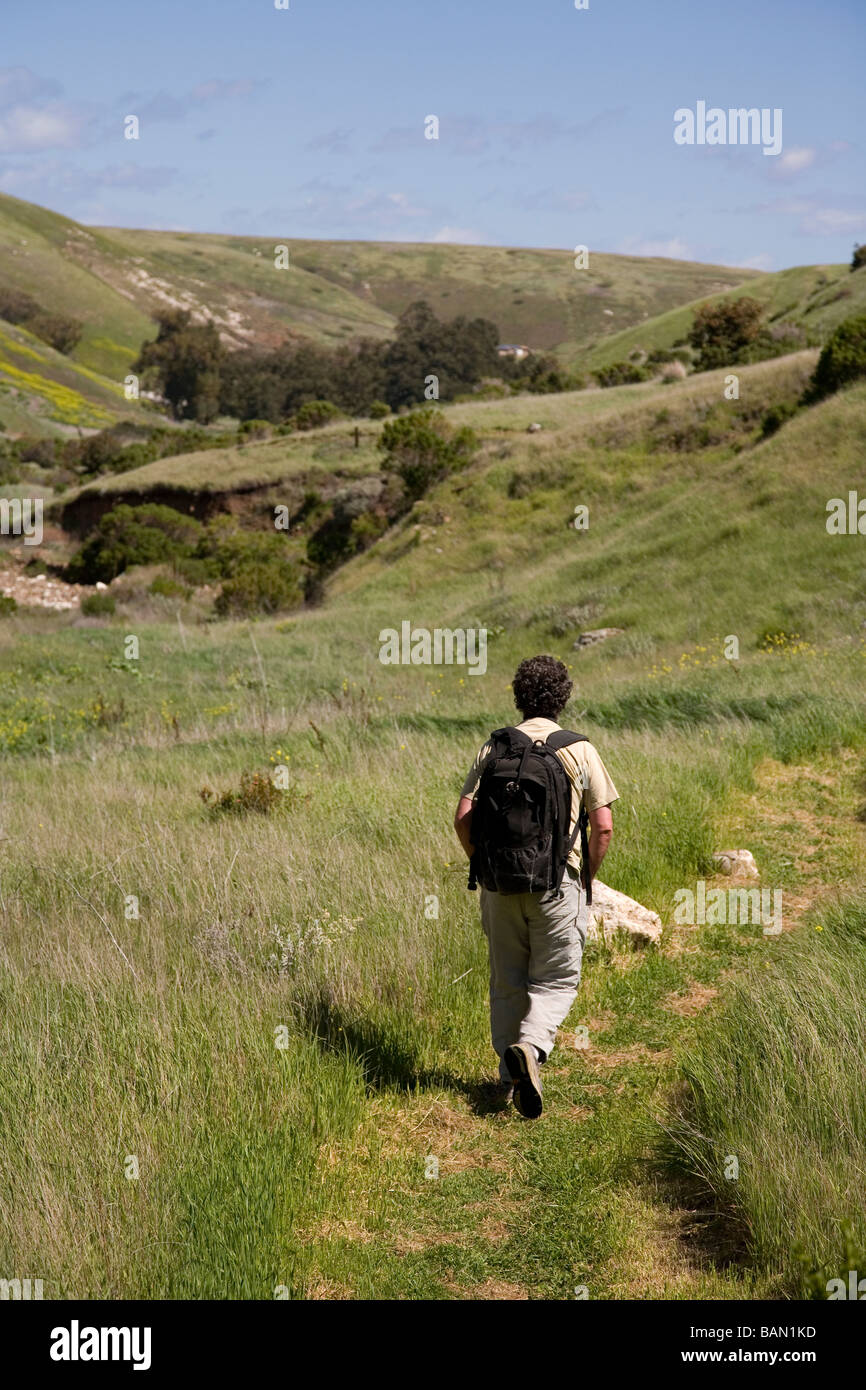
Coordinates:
<point>185,361</point>
<point>721,331</point>
<point>858,260</point>
<point>842,360</point>
<point>459,353</point>
<point>422,449</point>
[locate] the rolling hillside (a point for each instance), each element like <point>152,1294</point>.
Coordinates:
<point>815,297</point>
<point>44,392</point>
<point>114,279</point>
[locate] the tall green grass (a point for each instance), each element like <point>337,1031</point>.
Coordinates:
<point>774,1080</point>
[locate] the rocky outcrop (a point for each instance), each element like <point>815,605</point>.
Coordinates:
<point>612,912</point>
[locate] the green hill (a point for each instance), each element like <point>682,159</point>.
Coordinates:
<point>44,392</point>
<point>115,279</point>
<point>814,297</point>
<point>688,413</point>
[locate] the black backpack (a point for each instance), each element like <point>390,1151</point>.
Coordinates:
<point>522,815</point>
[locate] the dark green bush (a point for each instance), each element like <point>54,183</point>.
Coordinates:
<point>722,331</point>
<point>421,449</point>
<point>776,417</point>
<point>125,536</point>
<point>165,587</point>
<point>313,414</point>
<point>98,605</point>
<point>620,374</point>
<point>259,587</point>
<point>842,360</point>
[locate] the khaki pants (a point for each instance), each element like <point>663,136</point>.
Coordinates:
<point>536,945</point>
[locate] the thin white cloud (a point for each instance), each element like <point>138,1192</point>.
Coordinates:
<point>462,236</point>
<point>792,162</point>
<point>670,248</point>
<point>834,222</point>
<point>44,181</point>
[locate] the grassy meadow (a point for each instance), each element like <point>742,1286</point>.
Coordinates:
<point>247,1052</point>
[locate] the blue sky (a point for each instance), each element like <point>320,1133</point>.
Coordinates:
<point>555,124</point>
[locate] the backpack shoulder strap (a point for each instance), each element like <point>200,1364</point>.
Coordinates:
<point>562,738</point>
<point>511,736</point>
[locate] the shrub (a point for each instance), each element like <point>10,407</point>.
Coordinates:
<point>254,429</point>
<point>378,410</point>
<point>257,587</point>
<point>620,374</point>
<point>776,417</point>
<point>57,329</point>
<point>720,332</point>
<point>98,605</point>
<point>257,793</point>
<point>7,605</point>
<point>421,449</point>
<point>165,587</point>
<point>125,536</point>
<point>313,414</point>
<point>61,332</point>
<point>842,360</point>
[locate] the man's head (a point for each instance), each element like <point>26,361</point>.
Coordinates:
<point>542,687</point>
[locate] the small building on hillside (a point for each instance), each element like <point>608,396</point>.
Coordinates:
<point>515,350</point>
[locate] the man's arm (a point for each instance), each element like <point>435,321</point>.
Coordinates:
<point>463,824</point>
<point>601,825</point>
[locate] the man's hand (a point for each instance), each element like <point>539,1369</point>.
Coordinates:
<point>601,825</point>
<point>463,824</point>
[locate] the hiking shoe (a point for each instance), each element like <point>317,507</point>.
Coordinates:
<point>522,1063</point>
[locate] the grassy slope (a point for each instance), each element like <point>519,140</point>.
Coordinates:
<point>114,278</point>
<point>45,392</point>
<point>306,1167</point>
<point>569,419</point>
<point>817,297</point>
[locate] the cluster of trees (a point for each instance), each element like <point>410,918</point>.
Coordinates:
<point>427,358</point>
<point>62,332</point>
<point>253,568</point>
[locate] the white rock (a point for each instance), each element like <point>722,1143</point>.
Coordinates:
<point>534,427</point>
<point>597,634</point>
<point>100,585</point>
<point>612,912</point>
<point>737,862</point>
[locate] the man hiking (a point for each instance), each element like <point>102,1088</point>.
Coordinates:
<point>522,819</point>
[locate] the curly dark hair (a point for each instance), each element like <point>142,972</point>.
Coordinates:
<point>542,686</point>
